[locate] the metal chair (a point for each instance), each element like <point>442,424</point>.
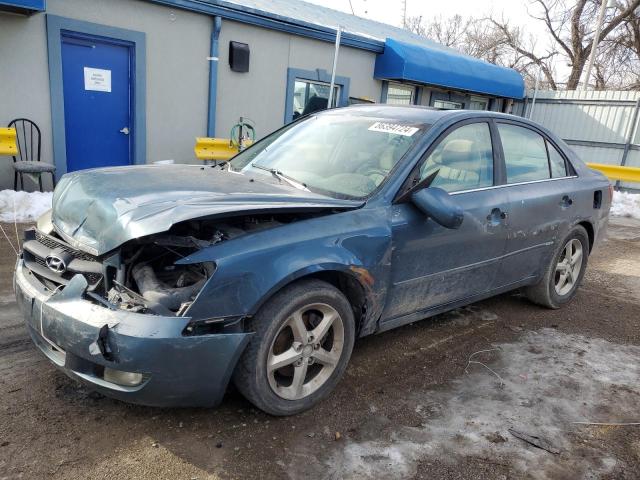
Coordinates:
<point>28,160</point>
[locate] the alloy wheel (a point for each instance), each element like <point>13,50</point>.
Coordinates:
<point>305,351</point>
<point>568,267</point>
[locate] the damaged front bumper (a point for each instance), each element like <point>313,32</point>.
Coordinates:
<point>83,339</point>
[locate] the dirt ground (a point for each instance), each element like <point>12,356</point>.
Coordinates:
<point>410,406</point>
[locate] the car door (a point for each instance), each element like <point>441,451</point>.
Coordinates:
<point>432,265</point>
<point>540,203</point>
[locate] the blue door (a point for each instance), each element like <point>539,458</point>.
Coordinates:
<point>98,99</point>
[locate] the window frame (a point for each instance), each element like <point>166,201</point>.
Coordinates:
<point>413,88</point>
<point>570,170</point>
<point>485,100</point>
<point>317,75</point>
<point>446,105</point>
<point>407,187</point>
<point>413,178</point>
<point>336,98</point>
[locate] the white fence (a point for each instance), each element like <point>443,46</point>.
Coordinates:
<point>602,127</point>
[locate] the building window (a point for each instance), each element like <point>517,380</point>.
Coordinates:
<point>478,103</point>
<point>310,96</point>
<point>308,92</point>
<point>447,104</point>
<point>398,94</point>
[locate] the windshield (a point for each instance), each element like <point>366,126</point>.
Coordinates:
<point>341,155</point>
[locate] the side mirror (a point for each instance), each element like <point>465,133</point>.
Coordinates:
<point>439,205</point>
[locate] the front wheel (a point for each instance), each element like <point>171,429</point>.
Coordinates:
<point>302,344</point>
<point>564,273</point>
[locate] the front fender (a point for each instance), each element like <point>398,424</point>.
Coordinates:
<point>251,268</point>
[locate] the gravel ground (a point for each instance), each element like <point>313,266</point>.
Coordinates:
<point>410,405</point>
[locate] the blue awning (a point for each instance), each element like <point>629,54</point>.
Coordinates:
<point>23,6</point>
<point>446,68</point>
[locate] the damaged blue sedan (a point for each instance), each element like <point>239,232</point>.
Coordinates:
<point>159,285</point>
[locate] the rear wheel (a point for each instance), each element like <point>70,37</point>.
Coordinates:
<point>302,343</point>
<point>565,271</point>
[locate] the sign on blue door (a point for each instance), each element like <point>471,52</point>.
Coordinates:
<point>98,99</point>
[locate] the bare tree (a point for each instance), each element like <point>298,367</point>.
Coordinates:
<point>514,39</point>
<point>448,31</point>
<point>414,24</point>
<point>469,35</point>
<point>571,25</point>
<point>621,55</point>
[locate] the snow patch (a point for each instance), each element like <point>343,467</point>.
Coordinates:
<point>23,206</point>
<point>625,204</point>
<point>551,380</point>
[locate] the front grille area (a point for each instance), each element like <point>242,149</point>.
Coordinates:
<point>52,243</point>
<point>92,278</point>
<point>38,246</point>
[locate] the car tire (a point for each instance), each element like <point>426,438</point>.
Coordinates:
<point>550,292</point>
<point>279,338</point>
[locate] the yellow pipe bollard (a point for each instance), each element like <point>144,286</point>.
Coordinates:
<point>215,148</point>
<point>8,145</point>
<point>617,172</point>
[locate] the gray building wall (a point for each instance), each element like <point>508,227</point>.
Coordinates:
<point>177,77</point>
<point>260,93</point>
<point>24,81</point>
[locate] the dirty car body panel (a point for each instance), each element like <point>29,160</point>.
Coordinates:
<point>164,264</point>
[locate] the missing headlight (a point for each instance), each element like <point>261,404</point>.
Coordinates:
<point>170,285</point>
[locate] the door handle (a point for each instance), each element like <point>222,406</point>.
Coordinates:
<point>566,201</point>
<point>125,130</point>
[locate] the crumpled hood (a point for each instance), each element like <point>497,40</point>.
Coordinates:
<point>98,210</point>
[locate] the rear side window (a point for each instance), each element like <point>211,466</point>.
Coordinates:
<point>556,161</point>
<point>463,160</point>
<point>525,154</point>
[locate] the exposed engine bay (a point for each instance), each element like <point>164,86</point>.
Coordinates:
<point>150,281</point>
<point>142,275</point>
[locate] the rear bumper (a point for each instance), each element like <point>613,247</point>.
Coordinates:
<point>177,370</point>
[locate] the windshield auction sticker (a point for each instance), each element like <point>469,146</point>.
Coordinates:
<point>393,128</point>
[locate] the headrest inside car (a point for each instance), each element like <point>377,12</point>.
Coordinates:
<point>457,153</point>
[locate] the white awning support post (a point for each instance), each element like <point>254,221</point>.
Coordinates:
<point>335,64</point>
<point>596,40</point>
<point>535,95</point>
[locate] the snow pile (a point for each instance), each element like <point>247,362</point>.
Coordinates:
<point>626,204</point>
<point>23,206</point>
<point>547,380</point>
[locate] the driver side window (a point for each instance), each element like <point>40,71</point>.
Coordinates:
<point>463,160</point>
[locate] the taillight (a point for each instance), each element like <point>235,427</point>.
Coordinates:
<point>610,193</point>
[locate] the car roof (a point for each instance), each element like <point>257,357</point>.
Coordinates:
<point>414,113</point>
